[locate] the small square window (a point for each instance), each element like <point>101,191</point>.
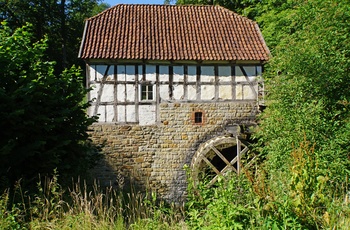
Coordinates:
<point>146,92</point>
<point>198,117</point>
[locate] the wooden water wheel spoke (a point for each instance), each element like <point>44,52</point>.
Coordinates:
<point>228,164</point>
<point>211,165</point>
<point>219,155</point>
<point>213,181</point>
<point>234,160</point>
<point>226,168</point>
<point>250,162</point>
<point>244,151</point>
<point>222,172</point>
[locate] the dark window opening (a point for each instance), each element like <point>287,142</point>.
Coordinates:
<point>198,117</point>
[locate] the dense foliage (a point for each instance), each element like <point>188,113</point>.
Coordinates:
<point>308,83</point>
<point>44,122</point>
<point>305,129</point>
<point>61,22</point>
<point>43,116</point>
<point>238,6</point>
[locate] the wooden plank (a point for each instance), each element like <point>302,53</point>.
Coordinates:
<point>234,160</point>
<point>244,151</point>
<point>186,82</point>
<point>216,84</point>
<point>100,90</point>
<point>221,156</point>
<point>211,165</point>
<point>250,83</point>
<point>137,96</point>
<point>228,166</point>
<point>157,95</point>
<point>213,181</point>
<point>233,81</point>
<point>250,162</point>
<point>198,83</point>
<point>238,155</point>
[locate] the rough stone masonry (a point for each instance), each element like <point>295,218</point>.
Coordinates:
<point>154,156</point>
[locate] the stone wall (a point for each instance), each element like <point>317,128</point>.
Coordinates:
<point>154,156</point>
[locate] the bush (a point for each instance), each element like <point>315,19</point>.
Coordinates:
<point>43,116</point>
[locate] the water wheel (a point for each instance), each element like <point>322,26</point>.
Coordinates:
<point>218,156</point>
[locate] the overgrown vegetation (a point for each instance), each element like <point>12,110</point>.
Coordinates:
<point>255,201</point>
<point>82,208</point>
<point>43,121</point>
<point>61,22</point>
<point>303,137</point>
<point>304,133</point>
<point>241,202</point>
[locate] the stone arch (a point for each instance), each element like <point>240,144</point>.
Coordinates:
<point>218,156</point>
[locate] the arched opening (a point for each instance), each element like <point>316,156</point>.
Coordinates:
<point>218,156</point>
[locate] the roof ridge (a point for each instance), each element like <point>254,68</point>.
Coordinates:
<point>150,5</point>
<point>232,12</point>
<point>177,6</point>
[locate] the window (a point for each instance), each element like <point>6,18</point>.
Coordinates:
<point>146,92</point>
<point>198,117</point>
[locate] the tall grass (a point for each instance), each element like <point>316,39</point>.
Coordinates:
<point>82,208</point>
<point>252,200</point>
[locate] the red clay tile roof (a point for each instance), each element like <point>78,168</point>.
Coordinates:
<point>168,32</point>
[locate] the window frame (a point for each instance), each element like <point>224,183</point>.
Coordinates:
<point>148,92</point>
<point>198,117</point>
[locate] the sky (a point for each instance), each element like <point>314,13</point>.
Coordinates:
<point>115,2</point>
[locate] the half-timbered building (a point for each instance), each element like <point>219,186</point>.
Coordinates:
<point>172,85</point>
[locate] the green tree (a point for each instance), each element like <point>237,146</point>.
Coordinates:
<point>62,22</point>
<point>43,123</point>
<point>308,81</point>
<point>238,6</point>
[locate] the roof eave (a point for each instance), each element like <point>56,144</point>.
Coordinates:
<point>83,39</point>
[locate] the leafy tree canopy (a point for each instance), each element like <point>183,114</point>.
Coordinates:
<point>239,6</point>
<point>62,22</point>
<point>308,81</point>
<point>43,118</point>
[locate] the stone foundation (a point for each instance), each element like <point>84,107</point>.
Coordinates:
<point>154,156</point>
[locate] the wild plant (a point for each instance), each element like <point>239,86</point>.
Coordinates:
<point>305,197</point>
<point>311,192</point>
<point>228,204</point>
<point>9,218</point>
